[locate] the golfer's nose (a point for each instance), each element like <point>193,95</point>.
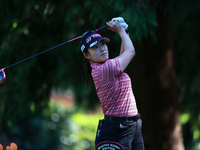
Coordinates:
<point>102,48</point>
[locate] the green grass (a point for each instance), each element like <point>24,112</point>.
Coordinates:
<point>88,124</point>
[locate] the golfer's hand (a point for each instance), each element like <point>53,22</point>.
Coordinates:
<point>115,26</point>
<point>121,21</point>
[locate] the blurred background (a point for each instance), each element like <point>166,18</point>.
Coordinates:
<point>45,104</point>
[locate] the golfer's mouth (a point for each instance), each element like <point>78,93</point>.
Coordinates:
<point>104,54</point>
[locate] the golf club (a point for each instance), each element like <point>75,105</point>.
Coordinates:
<point>2,72</point>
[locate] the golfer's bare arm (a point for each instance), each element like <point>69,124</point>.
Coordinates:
<point>122,46</point>
<point>127,51</point>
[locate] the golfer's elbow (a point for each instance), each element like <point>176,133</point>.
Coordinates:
<point>132,51</point>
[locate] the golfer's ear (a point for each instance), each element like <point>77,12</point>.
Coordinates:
<point>86,55</point>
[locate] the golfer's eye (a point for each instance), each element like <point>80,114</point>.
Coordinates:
<point>96,47</point>
<point>102,43</point>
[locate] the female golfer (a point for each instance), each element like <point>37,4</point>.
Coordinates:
<point>121,127</point>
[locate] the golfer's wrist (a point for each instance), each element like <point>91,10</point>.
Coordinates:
<point>122,32</point>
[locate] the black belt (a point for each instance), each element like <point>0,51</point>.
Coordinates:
<point>133,118</point>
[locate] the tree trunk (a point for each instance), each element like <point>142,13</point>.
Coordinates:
<point>155,87</point>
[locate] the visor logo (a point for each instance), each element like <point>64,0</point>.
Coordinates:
<point>82,48</point>
<point>88,39</point>
<point>92,36</point>
<point>92,44</point>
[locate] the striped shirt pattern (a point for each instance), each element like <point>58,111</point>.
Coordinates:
<point>114,89</point>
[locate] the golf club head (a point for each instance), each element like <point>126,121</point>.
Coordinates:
<point>2,77</point>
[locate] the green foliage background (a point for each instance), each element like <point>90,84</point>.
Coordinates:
<point>28,27</point>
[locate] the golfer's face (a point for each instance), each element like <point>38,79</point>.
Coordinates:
<point>99,53</point>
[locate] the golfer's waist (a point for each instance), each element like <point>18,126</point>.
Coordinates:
<point>130,118</point>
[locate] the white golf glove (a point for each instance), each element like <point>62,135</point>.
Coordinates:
<point>121,21</point>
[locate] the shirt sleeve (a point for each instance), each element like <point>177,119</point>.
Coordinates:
<point>116,65</point>
<point>111,69</point>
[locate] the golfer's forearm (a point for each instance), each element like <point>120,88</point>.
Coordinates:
<point>126,44</point>
<point>122,46</point>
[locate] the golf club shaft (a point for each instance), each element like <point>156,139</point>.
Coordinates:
<point>74,39</point>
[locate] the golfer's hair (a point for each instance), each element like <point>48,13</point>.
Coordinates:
<point>88,70</point>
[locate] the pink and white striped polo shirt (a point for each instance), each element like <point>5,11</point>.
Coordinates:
<point>114,89</point>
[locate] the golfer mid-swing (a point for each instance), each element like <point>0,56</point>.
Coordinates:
<point>121,127</point>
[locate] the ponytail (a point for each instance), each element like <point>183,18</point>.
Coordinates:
<point>88,70</point>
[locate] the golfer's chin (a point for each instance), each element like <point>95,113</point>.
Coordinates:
<point>104,59</point>
<point>101,61</point>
